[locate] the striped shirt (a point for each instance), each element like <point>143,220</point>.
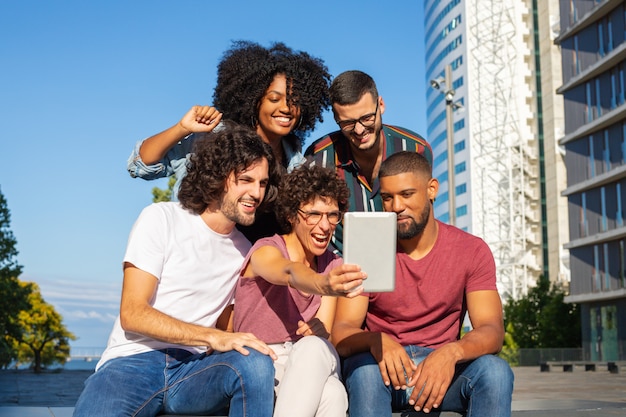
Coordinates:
<point>333,151</point>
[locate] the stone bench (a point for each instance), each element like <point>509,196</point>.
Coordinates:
<point>568,366</point>
<point>401,414</point>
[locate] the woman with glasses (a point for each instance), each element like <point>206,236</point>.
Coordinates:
<point>285,293</point>
<point>279,92</point>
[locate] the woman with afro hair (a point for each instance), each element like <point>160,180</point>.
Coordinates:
<point>279,92</point>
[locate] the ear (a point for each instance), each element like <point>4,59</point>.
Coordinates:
<point>432,189</point>
<point>381,105</point>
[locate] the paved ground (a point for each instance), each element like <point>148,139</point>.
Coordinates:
<point>555,394</point>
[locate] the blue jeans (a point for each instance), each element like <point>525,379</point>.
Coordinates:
<point>480,388</point>
<point>174,381</point>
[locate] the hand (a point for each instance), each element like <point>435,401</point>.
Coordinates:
<point>314,327</point>
<point>201,119</point>
<point>346,280</point>
<point>394,363</point>
<point>225,341</point>
<point>432,379</point>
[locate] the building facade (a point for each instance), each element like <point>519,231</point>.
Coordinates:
<point>493,123</point>
<point>593,46</point>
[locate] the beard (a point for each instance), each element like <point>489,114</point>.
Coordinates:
<point>414,228</point>
<point>230,209</point>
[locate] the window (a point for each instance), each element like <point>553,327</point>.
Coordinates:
<point>607,274</point>
<point>592,159</point>
<point>584,229</point>
<point>460,189</point>
<point>619,218</point>
<point>597,282</point>
<point>459,168</point>
<point>606,152</point>
<point>458,147</point>
<point>588,102</point>
<point>461,211</point>
<point>604,222</point>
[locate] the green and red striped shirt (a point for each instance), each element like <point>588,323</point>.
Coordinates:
<point>333,151</point>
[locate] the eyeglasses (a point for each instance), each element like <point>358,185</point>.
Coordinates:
<point>314,217</point>
<point>366,121</point>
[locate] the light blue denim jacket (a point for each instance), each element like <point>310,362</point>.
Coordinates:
<point>175,161</point>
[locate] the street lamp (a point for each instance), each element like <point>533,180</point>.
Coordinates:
<point>444,85</point>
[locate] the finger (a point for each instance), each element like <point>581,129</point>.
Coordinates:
<point>436,396</point>
<point>383,372</point>
<point>396,373</point>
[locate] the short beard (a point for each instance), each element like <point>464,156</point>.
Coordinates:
<point>230,210</point>
<point>414,228</point>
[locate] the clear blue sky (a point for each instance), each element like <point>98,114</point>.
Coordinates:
<point>82,81</point>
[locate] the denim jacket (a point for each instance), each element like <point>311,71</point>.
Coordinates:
<point>175,161</point>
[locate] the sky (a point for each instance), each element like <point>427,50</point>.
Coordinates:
<point>81,82</point>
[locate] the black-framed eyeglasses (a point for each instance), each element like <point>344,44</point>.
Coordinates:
<point>367,120</point>
<point>314,217</point>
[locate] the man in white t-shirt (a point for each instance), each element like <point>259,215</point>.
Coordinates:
<point>168,351</point>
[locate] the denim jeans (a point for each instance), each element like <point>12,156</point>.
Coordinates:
<point>174,381</point>
<point>480,388</point>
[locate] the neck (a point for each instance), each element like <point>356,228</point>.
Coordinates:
<point>421,245</point>
<point>296,251</point>
<point>369,160</point>
<point>217,222</point>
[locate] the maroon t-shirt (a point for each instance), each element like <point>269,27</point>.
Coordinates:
<point>427,306</point>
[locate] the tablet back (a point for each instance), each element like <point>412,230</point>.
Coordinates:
<point>369,240</point>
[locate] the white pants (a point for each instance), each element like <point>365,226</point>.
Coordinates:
<point>307,380</point>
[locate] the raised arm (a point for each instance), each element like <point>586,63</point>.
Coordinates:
<point>138,316</point>
<point>269,263</point>
<point>198,119</point>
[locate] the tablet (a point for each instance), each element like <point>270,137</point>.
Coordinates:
<point>369,240</point>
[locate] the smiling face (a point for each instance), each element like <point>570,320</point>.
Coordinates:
<point>276,117</point>
<point>244,192</point>
<point>361,137</point>
<point>315,238</point>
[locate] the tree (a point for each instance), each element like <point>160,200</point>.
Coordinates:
<point>542,319</point>
<point>159,194</point>
<point>44,340</point>
<point>13,296</point>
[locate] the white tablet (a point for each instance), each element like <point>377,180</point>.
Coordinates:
<point>369,240</point>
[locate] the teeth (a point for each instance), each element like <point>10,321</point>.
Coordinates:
<point>321,238</point>
<point>284,119</point>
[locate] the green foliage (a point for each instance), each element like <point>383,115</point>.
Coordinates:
<point>13,296</point>
<point>510,349</point>
<point>542,320</point>
<point>44,340</point>
<point>159,194</point>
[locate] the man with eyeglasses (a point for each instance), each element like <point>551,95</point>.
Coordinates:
<point>362,143</point>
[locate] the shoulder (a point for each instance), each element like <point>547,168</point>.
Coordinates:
<point>325,143</point>
<point>399,138</point>
<point>475,248</point>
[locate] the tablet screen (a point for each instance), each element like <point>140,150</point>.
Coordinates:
<point>369,240</point>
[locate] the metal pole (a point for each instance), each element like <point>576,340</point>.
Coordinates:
<point>450,139</point>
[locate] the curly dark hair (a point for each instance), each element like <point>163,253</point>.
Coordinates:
<point>230,149</point>
<point>246,71</point>
<point>302,186</point>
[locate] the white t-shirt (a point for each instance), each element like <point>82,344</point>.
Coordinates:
<point>196,268</point>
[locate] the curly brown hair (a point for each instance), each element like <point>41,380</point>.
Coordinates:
<point>303,185</point>
<point>246,71</point>
<point>230,149</point>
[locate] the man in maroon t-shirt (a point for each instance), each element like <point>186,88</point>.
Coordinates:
<point>409,354</point>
